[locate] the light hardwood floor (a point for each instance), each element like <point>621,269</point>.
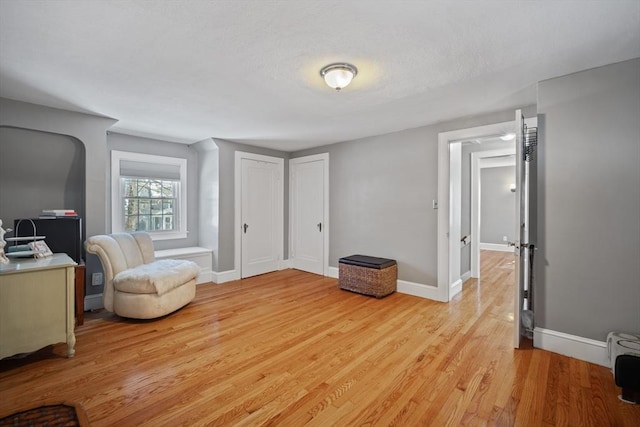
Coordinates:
<point>291,349</point>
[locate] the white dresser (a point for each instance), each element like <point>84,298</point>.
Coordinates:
<point>36,304</point>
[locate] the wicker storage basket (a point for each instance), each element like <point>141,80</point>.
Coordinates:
<point>368,275</point>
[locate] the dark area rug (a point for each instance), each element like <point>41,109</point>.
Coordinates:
<point>54,415</point>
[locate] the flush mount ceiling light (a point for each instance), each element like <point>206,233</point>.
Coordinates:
<point>338,75</point>
<point>508,137</point>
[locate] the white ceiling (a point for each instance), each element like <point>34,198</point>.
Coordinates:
<point>248,71</point>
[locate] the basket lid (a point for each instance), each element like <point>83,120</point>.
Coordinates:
<point>367,261</point>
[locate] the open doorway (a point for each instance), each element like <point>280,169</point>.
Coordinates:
<point>451,242</point>
<point>489,218</point>
<point>450,238</point>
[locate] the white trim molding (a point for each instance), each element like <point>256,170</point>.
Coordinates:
<point>205,277</point>
<point>333,272</point>
<point>449,190</point>
<point>419,290</point>
<point>466,276</point>
<point>117,212</point>
<point>284,264</point>
<point>225,276</point>
<point>448,184</point>
<point>586,349</point>
<point>495,247</point>
<point>93,302</point>
<point>456,288</point>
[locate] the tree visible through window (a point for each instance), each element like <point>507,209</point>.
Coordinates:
<point>150,204</point>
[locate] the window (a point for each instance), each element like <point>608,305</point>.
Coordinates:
<point>149,204</point>
<point>149,194</point>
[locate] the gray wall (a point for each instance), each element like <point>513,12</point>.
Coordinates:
<point>68,140</point>
<point>92,132</point>
<point>134,144</point>
<point>588,269</point>
<point>209,196</point>
<point>40,170</point>
<point>497,205</point>
<point>381,189</point>
<point>224,258</point>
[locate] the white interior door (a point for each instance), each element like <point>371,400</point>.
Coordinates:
<point>308,225</point>
<point>260,226</point>
<point>526,141</point>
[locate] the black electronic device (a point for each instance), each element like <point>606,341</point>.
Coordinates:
<point>62,235</point>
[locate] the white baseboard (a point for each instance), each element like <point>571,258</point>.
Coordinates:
<point>495,247</point>
<point>225,276</point>
<point>571,345</point>
<point>284,264</point>
<point>418,290</point>
<point>466,276</point>
<point>93,302</point>
<point>456,288</point>
<point>205,277</point>
<point>333,272</point>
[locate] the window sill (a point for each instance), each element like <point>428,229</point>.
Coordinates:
<point>167,236</point>
<point>162,236</point>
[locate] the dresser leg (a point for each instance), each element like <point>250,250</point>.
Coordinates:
<point>79,305</point>
<point>71,343</point>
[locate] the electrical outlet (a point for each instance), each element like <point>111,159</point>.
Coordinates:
<point>96,279</point>
<point>504,239</point>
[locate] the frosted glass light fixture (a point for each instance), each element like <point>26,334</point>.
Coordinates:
<point>508,137</point>
<point>339,75</point>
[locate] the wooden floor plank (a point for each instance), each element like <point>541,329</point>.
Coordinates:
<point>289,348</point>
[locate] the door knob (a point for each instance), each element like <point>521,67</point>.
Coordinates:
<point>245,226</point>
<point>320,227</point>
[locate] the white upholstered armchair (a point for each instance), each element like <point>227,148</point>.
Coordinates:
<point>136,285</point>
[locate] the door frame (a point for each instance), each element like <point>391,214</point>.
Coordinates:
<point>325,214</point>
<point>449,189</point>
<point>447,184</point>
<point>239,156</point>
<point>481,160</point>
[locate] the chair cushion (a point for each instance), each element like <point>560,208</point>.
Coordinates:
<point>158,277</point>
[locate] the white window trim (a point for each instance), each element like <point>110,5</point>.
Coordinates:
<point>116,199</point>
